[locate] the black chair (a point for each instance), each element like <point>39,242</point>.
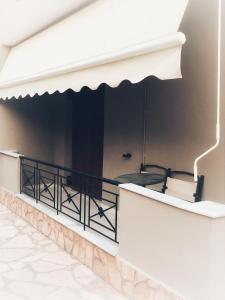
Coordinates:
<point>156,169</point>
<point>145,167</point>
<point>188,190</point>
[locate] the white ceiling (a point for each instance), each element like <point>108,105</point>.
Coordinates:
<point>20,19</point>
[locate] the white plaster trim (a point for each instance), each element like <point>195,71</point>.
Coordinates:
<point>12,153</point>
<point>92,237</point>
<point>204,208</point>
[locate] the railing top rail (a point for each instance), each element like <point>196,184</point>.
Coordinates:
<point>106,180</point>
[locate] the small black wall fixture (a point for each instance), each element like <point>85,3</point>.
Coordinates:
<point>127,155</point>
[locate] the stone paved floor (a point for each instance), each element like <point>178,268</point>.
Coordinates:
<point>32,267</point>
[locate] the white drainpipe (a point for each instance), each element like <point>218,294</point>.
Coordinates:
<point>218,133</point>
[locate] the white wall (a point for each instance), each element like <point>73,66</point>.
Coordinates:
<point>182,249</point>
<point>10,172</point>
<point>26,127</point>
<point>38,127</point>
<point>182,113</point>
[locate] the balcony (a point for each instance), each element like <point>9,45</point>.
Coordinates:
<point>155,232</point>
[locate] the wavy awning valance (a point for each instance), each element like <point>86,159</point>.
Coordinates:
<point>106,42</point>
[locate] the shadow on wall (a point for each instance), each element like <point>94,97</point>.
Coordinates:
<point>34,126</point>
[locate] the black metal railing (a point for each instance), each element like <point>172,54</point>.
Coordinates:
<point>89,200</point>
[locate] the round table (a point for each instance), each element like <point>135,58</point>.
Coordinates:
<point>142,179</point>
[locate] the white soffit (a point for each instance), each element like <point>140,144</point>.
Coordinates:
<point>24,18</point>
<point>107,41</point>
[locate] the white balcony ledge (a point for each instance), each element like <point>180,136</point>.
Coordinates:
<point>12,153</point>
<point>205,208</point>
<point>92,237</point>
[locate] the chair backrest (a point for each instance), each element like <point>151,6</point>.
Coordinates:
<point>150,168</point>
<point>183,189</point>
<point>155,169</point>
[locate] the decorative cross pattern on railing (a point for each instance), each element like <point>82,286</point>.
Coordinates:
<point>28,180</point>
<point>102,216</point>
<point>47,186</point>
<point>89,200</point>
<point>70,203</point>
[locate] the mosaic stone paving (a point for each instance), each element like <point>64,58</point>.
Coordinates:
<point>32,267</point>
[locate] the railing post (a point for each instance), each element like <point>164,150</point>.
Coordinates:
<point>58,180</point>
<point>36,182</point>
<point>116,217</point>
<point>80,187</point>
<point>21,176</point>
<point>85,194</point>
<point>89,209</point>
